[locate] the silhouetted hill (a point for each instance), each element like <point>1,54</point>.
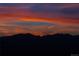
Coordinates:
<point>29,45</point>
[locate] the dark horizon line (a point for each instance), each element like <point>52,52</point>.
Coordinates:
<point>68,34</point>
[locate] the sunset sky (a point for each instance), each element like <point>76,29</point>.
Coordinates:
<point>39,18</point>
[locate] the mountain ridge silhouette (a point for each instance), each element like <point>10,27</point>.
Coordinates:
<point>31,45</point>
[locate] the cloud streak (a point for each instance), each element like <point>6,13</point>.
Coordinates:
<point>39,19</point>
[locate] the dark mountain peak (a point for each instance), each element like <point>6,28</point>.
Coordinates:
<point>61,34</point>
<point>58,34</point>
<point>28,35</point>
<point>23,35</point>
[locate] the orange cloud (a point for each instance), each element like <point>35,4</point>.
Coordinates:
<point>60,21</point>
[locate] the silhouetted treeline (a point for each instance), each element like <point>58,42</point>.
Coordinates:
<point>30,45</point>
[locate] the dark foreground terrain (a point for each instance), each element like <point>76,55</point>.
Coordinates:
<point>30,45</point>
